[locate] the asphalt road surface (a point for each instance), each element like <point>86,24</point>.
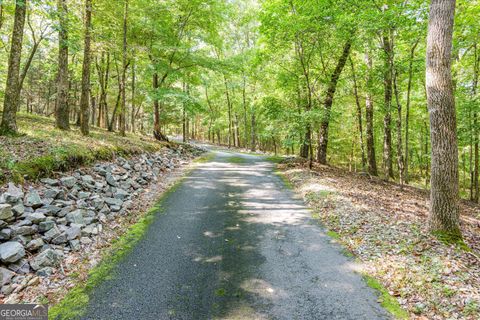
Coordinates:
<point>232,242</point>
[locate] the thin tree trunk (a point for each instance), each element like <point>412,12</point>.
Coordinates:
<point>123,107</point>
<point>229,105</point>
<point>444,210</point>
<point>407,116</point>
<point>371,157</point>
<point>387,120</point>
<point>11,101</point>
<point>253,142</point>
<point>134,112</point>
<point>157,131</point>
<point>400,159</point>
<point>84,98</point>
<point>359,114</point>
<point>61,109</point>
<point>332,88</point>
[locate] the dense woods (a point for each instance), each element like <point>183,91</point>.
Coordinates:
<point>336,82</point>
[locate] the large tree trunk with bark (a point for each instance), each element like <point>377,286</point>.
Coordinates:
<point>61,108</point>
<point>332,88</point>
<point>84,98</point>
<point>444,210</point>
<point>11,101</point>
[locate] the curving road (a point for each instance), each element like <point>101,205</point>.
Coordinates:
<point>234,243</point>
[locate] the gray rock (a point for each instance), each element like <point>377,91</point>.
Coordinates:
<point>76,217</point>
<point>33,199</point>
<point>73,232</point>
<point>7,289</point>
<point>98,203</point>
<point>51,193</point>
<point>3,224</point>
<point>47,201</point>
<point>5,234</point>
<point>90,230</point>
<point>88,179</point>
<point>114,202</point>
<point>5,276</point>
<point>52,233</point>
<point>20,267</point>
<point>45,272</point>
<point>24,230</point>
<point>44,226</point>
<point>36,217</point>
<point>18,209</point>
<point>50,210</point>
<point>68,182</point>
<point>23,239</point>
<point>35,244</point>
<point>51,182</point>
<point>60,239</point>
<point>84,195</point>
<point>75,245</point>
<point>5,211</point>
<point>111,180</point>
<point>47,258</point>
<point>121,194</point>
<point>11,251</point>
<point>13,194</point>
<point>64,211</point>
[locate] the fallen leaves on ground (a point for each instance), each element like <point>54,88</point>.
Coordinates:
<point>385,226</point>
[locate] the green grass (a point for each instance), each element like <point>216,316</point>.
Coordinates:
<point>386,300</point>
<point>41,149</point>
<point>205,158</point>
<point>333,235</point>
<point>275,159</point>
<point>237,160</point>
<point>75,303</point>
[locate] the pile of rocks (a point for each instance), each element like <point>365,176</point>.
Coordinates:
<point>40,225</point>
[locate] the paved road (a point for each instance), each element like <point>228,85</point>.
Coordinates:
<point>234,243</point>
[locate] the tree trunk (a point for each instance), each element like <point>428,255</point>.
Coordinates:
<point>84,98</point>
<point>359,114</point>
<point>134,112</point>
<point>444,210</point>
<point>400,159</point>
<point>387,119</point>
<point>407,116</point>
<point>157,131</point>
<point>123,107</point>
<point>229,106</point>
<point>11,101</point>
<point>61,109</point>
<point>332,87</point>
<point>371,158</point>
<point>253,145</point>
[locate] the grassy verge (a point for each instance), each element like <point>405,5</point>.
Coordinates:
<point>75,303</point>
<point>41,149</point>
<point>386,300</point>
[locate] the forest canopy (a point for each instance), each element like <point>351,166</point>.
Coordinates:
<point>335,82</point>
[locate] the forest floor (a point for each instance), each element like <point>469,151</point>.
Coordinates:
<point>384,225</point>
<point>42,150</point>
